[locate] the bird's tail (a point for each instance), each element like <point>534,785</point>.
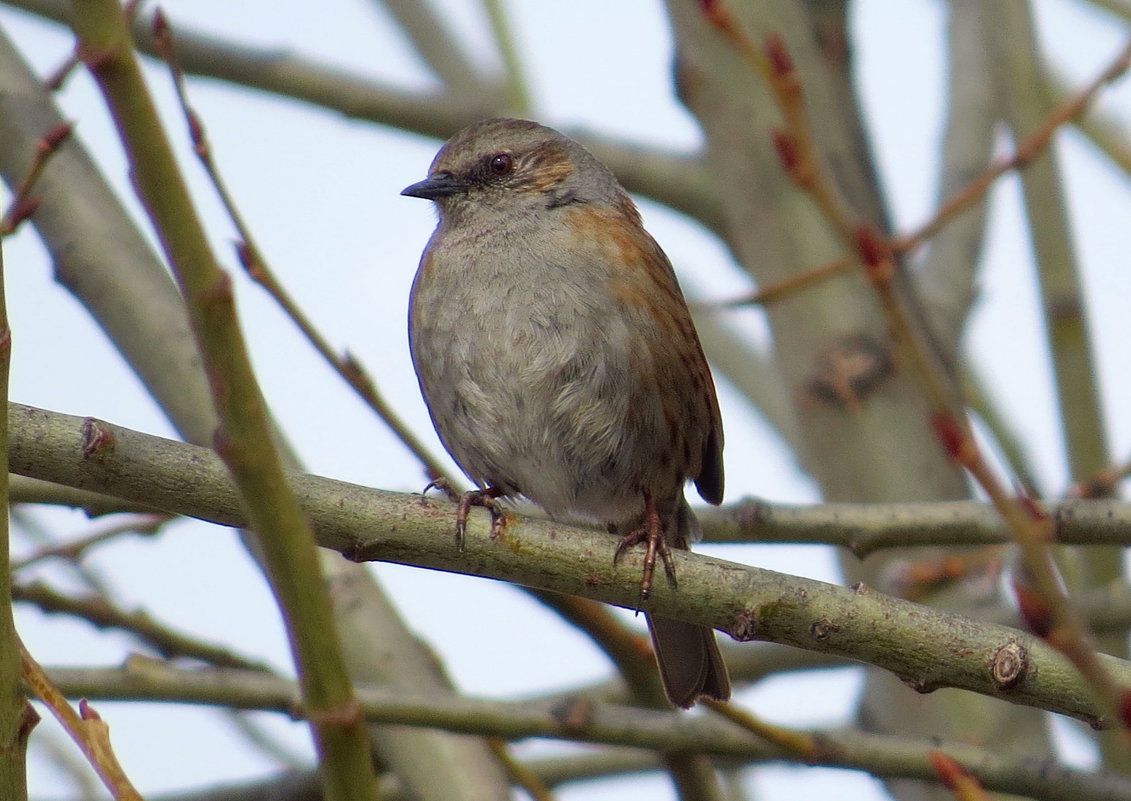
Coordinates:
<point>691,666</point>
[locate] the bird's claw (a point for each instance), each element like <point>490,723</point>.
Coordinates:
<point>488,499</point>
<point>651,532</point>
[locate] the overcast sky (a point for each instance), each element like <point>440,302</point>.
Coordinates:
<point>321,193</point>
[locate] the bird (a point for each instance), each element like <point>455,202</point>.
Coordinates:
<point>558,360</point>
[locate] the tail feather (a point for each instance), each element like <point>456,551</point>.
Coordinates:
<point>691,666</point>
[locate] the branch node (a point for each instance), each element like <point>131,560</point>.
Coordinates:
<point>1010,665</point>
<point>98,440</point>
<point>821,630</point>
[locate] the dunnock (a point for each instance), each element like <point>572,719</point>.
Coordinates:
<point>558,359</point>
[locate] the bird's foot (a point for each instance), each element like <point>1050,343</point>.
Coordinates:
<point>488,499</point>
<point>651,532</point>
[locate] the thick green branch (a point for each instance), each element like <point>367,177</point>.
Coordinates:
<point>16,717</point>
<point>244,437</point>
<point>926,647</point>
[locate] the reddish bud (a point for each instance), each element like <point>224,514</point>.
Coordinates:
<point>1034,611</point>
<point>243,253</point>
<point>86,711</point>
<point>351,367</point>
<point>713,10</point>
<point>778,54</point>
<point>950,434</point>
<point>786,146</point>
<point>56,136</point>
<point>162,37</point>
<point>956,778</point>
<point>21,210</point>
<point>1036,514</point>
<point>875,253</point>
<point>871,247</point>
<point>1098,486</point>
<point>1125,708</point>
<point>949,772</point>
<point>196,128</point>
<point>249,260</point>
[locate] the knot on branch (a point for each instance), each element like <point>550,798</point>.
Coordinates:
<point>1009,665</point>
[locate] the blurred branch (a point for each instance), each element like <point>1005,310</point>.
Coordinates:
<point>626,648</point>
<point>1103,483</point>
<point>947,275</point>
<point>68,766</point>
<point>1047,608</point>
<point>280,72</point>
<point>74,549</point>
<point>1120,8</point>
<point>692,776</point>
<point>928,648</point>
<point>268,743</point>
<point>30,528</point>
<point>102,614</point>
<point>515,90</point>
<point>880,755</point>
<point>749,663</point>
<point>433,42</point>
<point>1005,438</point>
<point>299,785</point>
<point>23,203</point>
<point>669,178</point>
<point>1058,271</point>
<point>1106,131</point>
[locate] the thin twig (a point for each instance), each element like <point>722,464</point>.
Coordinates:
<point>23,204</point>
<point>86,728</point>
<point>1044,601</point>
<point>162,638</point>
<point>74,550</point>
<point>1025,151</point>
<point>251,258</point>
<point>59,76</point>
<point>518,773</point>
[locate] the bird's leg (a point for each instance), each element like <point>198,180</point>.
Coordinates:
<point>650,531</point>
<point>487,498</point>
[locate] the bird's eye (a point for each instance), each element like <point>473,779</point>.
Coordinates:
<point>501,163</point>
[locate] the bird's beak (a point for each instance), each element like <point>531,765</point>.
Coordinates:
<point>436,187</point>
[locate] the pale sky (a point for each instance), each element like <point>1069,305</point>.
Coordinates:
<point>321,193</point>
